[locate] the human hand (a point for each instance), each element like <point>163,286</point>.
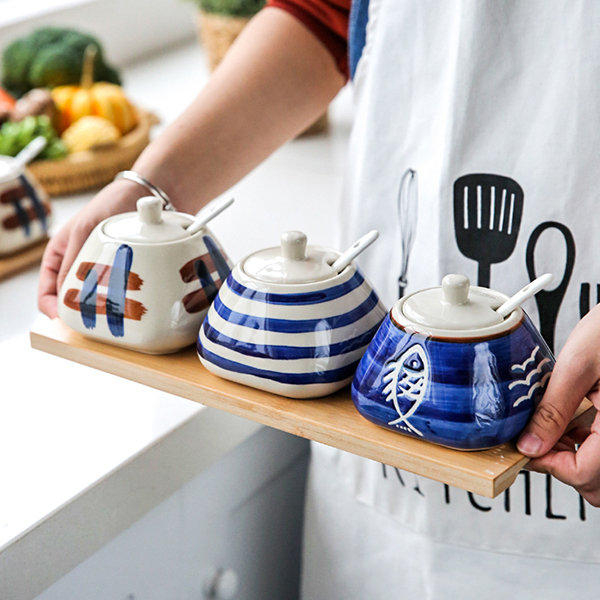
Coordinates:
<point>547,437</point>
<point>62,249</point>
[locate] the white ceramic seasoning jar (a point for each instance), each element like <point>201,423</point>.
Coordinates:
<point>143,281</point>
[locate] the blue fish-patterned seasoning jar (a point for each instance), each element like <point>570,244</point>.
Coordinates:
<point>287,322</point>
<point>446,367</point>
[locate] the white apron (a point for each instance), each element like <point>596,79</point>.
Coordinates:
<point>457,90</point>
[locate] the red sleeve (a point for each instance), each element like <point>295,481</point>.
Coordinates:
<point>328,21</point>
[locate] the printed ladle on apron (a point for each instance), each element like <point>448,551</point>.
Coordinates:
<point>458,365</point>
<point>144,280</point>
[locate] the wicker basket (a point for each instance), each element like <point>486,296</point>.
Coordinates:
<point>94,168</point>
<point>218,32</point>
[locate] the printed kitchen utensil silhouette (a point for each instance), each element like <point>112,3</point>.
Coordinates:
<point>549,301</point>
<point>407,217</point>
<point>585,298</point>
<point>487,217</point>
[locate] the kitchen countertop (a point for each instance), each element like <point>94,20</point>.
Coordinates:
<point>74,441</point>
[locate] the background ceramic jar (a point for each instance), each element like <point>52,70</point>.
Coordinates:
<point>24,208</point>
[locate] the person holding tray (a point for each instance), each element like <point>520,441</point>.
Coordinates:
<point>468,95</point>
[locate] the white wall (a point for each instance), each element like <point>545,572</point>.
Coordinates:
<point>127,29</point>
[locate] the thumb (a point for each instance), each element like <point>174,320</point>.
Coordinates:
<point>571,379</point>
<point>78,235</point>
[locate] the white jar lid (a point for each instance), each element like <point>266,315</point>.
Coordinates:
<point>292,262</point>
<point>455,306</point>
<point>150,224</point>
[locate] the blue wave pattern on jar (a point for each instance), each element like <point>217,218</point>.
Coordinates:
<point>296,340</point>
<point>469,396</point>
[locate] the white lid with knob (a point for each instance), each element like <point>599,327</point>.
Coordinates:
<point>150,224</point>
<point>292,262</point>
<point>455,306</point>
<point>457,310</point>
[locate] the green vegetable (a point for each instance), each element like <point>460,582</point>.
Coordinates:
<point>51,56</point>
<point>54,66</point>
<point>15,67</point>
<point>14,136</point>
<point>235,8</point>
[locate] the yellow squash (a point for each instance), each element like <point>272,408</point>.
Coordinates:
<point>89,132</point>
<point>100,99</point>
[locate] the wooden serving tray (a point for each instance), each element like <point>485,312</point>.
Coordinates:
<point>332,420</point>
<point>15,263</point>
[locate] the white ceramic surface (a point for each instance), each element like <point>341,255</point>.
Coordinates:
<point>301,339</point>
<point>455,309</point>
<point>142,282</point>
<point>25,212</point>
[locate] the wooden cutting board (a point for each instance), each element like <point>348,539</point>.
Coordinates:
<point>15,263</point>
<point>332,420</point>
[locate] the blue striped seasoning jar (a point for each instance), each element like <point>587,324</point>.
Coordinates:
<point>286,322</point>
<point>446,368</point>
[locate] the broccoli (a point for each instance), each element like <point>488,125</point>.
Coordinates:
<point>15,67</point>
<point>51,56</point>
<point>55,65</point>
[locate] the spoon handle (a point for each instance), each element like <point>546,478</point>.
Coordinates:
<point>530,290</point>
<point>359,246</point>
<point>27,154</point>
<point>208,215</point>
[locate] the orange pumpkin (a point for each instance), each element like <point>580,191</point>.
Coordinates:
<point>99,99</point>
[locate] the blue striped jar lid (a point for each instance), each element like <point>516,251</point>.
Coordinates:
<point>291,262</point>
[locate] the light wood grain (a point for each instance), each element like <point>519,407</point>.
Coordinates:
<point>332,420</point>
<point>15,263</point>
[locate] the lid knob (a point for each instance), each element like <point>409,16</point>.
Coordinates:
<point>455,289</point>
<point>150,210</point>
<point>293,245</point>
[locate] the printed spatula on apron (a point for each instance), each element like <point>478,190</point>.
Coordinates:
<point>487,217</point>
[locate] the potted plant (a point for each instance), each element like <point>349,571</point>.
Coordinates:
<point>220,22</point>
